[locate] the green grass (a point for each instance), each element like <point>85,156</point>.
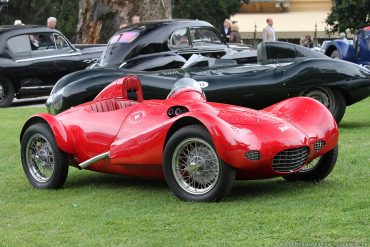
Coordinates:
<point>96,209</point>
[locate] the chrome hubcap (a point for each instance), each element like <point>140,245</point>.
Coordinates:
<point>40,158</point>
<point>195,166</point>
<point>324,97</point>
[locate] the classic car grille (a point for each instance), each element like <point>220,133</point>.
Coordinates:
<point>318,145</point>
<point>290,159</point>
<point>253,155</point>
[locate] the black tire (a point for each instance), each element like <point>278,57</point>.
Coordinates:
<point>331,98</point>
<point>45,165</point>
<point>318,169</point>
<point>7,92</point>
<point>193,146</point>
<point>335,54</point>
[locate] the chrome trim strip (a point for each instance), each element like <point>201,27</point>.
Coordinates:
<point>46,57</point>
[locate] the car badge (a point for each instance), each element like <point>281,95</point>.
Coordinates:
<point>284,128</point>
<point>137,116</point>
<point>203,84</point>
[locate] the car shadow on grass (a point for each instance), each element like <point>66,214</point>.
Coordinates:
<point>272,187</point>
<point>242,190</point>
<point>354,125</point>
<point>91,179</point>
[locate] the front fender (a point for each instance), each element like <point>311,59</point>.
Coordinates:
<point>63,138</point>
<point>308,115</point>
<point>231,143</point>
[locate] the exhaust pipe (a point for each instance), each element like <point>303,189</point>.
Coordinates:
<point>92,160</point>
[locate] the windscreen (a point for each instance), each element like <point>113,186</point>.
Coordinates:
<point>185,84</point>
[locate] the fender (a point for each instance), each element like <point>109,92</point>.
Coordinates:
<point>307,113</point>
<point>231,147</point>
<point>345,50</point>
<point>62,136</point>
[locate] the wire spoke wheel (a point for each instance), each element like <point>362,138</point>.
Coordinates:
<point>311,165</point>
<point>195,166</point>
<point>40,158</point>
<point>45,165</point>
<point>192,168</point>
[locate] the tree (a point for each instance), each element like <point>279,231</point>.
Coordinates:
<point>99,19</point>
<point>213,11</point>
<point>348,14</point>
<point>37,12</point>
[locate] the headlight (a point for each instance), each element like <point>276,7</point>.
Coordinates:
<point>55,102</point>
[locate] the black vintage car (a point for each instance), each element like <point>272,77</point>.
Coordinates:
<point>33,58</point>
<point>283,70</point>
<point>168,44</point>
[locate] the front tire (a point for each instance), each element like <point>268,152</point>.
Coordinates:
<point>331,98</point>
<point>7,92</point>
<point>318,169</point>
<point>192,168</point>
<point>45,165</point>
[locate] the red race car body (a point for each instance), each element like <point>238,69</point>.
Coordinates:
<point>199,147</point>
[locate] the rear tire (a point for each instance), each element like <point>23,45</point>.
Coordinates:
<point>317,169</point>
<point>335,54</point>
<point>7,92</point>
<point>192,168</point>
<point>45,165</point>
<point>331,98</point>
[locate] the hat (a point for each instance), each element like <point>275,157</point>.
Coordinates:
<point>18,22</point>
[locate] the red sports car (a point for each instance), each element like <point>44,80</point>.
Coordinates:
<point>198,147</point>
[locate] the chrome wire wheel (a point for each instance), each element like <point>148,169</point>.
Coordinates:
<point>311,165</point>
<point>195,166</point>
<point>40,158</point>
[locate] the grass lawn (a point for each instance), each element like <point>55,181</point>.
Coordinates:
<point>96,209</point>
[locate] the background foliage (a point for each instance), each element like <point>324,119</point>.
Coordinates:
<point>37,12</point>
<point>348,14</point>
<point>213,11</point>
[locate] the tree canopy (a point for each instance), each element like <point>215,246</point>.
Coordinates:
<point>37,12</point>
<point>348,14</point>
<point>213,11</point>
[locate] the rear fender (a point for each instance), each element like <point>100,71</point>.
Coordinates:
<point>64,140</point>
<point>345,50</point>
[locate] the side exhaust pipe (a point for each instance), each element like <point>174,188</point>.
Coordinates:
<point>92,160</point>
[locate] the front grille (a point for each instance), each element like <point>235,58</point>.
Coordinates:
<point>318,145</point>
<point>291,159</point>
<point>253,155</point>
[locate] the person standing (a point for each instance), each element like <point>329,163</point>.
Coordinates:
<point>226,30</point>
<point>135,19</point>
<point>235,35</point>
<point>51,22</point>
<point>268,33</point>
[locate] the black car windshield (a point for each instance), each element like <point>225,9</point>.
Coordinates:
<point>204,36</point>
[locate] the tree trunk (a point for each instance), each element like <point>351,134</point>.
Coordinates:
<point>100,19</point>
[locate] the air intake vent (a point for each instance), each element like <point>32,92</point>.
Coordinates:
<point>291,159</point>
<point>253,155</point>
<point>318,145</point>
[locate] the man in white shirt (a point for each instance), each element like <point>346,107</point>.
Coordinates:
<point>268,33</point>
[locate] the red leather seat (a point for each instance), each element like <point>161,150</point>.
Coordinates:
<point>118,95</point>
<point>107,105</point>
